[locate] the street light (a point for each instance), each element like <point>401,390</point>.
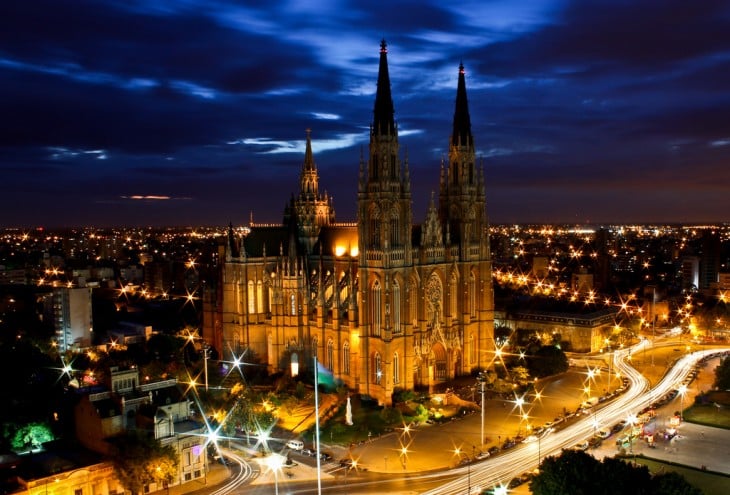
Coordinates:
<point>457,453</point>
<point>274,462</point>
<point>482,383</point>
<point>682,391</point>
<point>404,456</point>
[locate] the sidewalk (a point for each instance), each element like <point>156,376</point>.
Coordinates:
<point>217,474</point>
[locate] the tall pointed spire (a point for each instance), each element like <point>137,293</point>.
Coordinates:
<point>308,156</point>
<point>461,135</point>
<point>383,122</point>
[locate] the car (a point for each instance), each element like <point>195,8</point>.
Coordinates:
<point>581,446</point>
<point>618,427</point>
<point>347,462</point>
<point>514,483</point>
<point>508,444</point>
<point>295,444</point>
<point>325,456</point>
<point>482,455</point>
<point>309,452</point>
<point>595,442</point>
<point>603,434</point>
<point>539,430</point>
<point>530,439</point>
<point>493,450</point>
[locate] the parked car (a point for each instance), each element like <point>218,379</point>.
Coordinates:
<point>603,434</point>
<point>581,446</point>
<point>309,452</point>
<point>347,462</point>
<point>295,444</point>
<point>493,450</point>
<point>618,426</point>
<point>325,456</point>
<point>482,455</point>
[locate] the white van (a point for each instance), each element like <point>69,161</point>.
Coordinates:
<point>295,444</point>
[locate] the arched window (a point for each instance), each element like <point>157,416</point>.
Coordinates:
<point>472,347</point>
<point>396,307</point>
<point>412,302</point>
<point>375,302</point>
<point>454,296</point>
<point>251,298</point>
<point>270,349</point>
<point>375,233</point>
<point>315,342</point>
<point>330,355</point>
<point>377,369</point>
<point>293,308</point>
<point>396,369</point>
<point>260,296</point>
<point>472,295</point>
<point>346,358</point>
<point>394,234</point>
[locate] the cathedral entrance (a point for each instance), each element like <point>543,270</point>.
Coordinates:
<point>438,357</point>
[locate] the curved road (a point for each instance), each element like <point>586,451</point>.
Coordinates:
<point>501,469</point>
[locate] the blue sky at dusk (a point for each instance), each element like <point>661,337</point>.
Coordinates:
<point>193,112</point>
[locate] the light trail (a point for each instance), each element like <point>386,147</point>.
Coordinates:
<point>500,469</point>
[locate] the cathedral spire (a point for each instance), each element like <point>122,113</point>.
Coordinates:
<point>461,135</point>
<point>308,156</point>
<point>383,122</point>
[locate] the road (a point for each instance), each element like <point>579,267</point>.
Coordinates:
<point>500,470</point>
<point>395,474</point>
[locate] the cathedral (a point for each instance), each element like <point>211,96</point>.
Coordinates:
<point>382,303</point>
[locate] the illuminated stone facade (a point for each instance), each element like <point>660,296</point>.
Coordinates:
<point>382,303</point>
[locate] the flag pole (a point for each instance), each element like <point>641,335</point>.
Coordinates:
<point>316,424</point>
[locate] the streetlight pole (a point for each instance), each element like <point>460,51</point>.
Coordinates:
<point>482,383</point>
<point>653,326</point>
<point>205,362</point>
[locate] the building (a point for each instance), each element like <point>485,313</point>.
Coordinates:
<point>70,310</point>
<point>382,303</point>
<point>159,408</point>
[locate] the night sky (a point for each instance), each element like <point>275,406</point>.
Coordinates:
<point>193,112</point>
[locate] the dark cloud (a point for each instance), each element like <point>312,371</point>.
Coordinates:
<point>580,110</point>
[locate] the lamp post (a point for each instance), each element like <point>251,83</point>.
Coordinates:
<point>682,391</point>
<point>457,453</point>
<point>275,461</point>
<point>482,383</point>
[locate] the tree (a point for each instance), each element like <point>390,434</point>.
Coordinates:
<point>140,460</point>
<point>573,472</point>
<point>722,375</point>
<point>673,483</point>
<point>31,436</point>
<point>578,473</point>
<point>548,360</point>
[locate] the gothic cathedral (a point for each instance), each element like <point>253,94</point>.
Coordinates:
<point>382,303</point>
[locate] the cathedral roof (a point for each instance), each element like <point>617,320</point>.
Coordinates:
<point>337,240</point>
<point>271,238</point>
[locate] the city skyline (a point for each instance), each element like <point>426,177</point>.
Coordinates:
<point>192,113</point>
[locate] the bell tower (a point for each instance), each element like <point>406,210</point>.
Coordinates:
<point>312,210</point>
<point>384,192</point>
<point>384,237</point>
<point>462,203</point>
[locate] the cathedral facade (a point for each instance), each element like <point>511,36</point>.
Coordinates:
<point>381,303</point>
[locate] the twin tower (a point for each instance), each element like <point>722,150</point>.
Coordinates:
<point>383,304</point>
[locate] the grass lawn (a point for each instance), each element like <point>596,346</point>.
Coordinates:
<point>368,421</point>
<point>707,413</point>
<point>709,483</point>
